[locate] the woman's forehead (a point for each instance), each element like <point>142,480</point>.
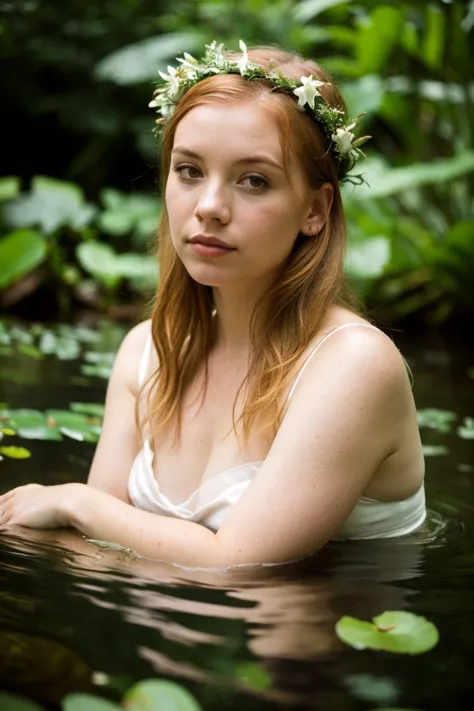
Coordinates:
<point>245,126</point>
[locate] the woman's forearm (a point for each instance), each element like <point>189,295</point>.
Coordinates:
<point>101,516</point>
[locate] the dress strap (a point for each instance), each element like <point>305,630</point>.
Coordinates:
<point>144,362</point>
<point>318,346</point>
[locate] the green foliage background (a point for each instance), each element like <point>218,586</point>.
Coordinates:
<point>79,200</point>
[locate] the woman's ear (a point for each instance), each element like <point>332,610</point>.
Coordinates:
<point>319,209</point>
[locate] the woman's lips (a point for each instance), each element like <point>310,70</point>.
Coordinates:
<point>209,246</point>
<point>210,250</point>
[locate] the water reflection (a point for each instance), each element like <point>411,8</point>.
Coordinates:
<point>201,626</point>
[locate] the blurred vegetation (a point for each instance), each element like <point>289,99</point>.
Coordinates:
<point>80,204</point>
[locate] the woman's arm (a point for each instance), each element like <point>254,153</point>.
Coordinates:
<point>345,418</point>
<point>118,444</point>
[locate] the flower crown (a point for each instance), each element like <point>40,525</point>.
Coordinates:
<point>191,71</point>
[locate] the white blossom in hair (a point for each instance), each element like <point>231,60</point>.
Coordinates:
<point>308,90</point>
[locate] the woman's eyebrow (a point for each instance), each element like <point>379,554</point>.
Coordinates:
<point>250,159</point>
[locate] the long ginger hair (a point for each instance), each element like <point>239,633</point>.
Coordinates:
<point>310,281</point>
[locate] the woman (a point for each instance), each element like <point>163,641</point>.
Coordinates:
<point>257,415</point>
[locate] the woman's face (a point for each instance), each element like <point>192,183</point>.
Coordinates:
<point>227,180</point>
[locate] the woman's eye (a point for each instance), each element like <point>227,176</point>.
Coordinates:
<point>257,182</point>
<point>187,172</point>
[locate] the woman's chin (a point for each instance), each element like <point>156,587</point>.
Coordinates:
<point>209,277</point>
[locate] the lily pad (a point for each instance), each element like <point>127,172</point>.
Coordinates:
<point>93,409</point>
<point>372,689</point>
<point>392,631</point>
<point>52,424</point>
<point>253,675</point>
<point>30,424</point>
<point>75,425</point>
<point>466,431</point>
<point>87,702</point>
<point>434,450</point>
<point>439,420</point>
<point>62,346</point>
<point>152,694</point>
<point>15,452</point>
<point>97,370</point>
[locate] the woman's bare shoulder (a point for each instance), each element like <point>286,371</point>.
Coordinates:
<point>130,353</point>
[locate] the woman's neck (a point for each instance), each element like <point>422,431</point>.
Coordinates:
<point>234,309</point>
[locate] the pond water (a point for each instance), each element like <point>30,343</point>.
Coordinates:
<point>75,616</point>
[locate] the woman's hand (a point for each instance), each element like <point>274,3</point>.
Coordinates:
<point>36,506</point>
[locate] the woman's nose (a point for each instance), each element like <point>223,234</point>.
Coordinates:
<point>212,204</point>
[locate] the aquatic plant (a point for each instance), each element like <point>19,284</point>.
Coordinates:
<point>146,695</point>
<point>392,631</point>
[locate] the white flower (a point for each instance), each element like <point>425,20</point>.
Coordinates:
<point>343,140</point>
<point>190,64</point>
<point>308,91</point>
<point>243,62</point>
<point>214,53</point>
<point>167,110</point>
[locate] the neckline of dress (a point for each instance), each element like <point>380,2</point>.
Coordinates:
<point>151,457</point>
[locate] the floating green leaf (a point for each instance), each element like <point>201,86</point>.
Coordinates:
<point>439,420</point>
<point>87,702</point>
<point>75,425</point>
<point>31,424</point>
<point>434,450</point>
<point>392,631</point>
<point>53,424</point>
<point>253,675</point>
<point>64,347</point>
<point>93,409</point>
<point>98,370</point>
<point>15,452</point>
<point>151,694</point>
<point>371,688</point>
<point>466,431</point>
